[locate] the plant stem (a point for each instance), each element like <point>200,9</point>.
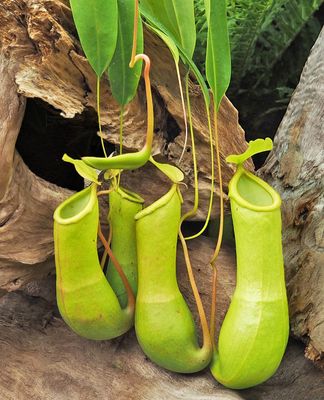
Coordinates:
<point>220,231</point>
<point>99,116</point>
<point>129,291</point>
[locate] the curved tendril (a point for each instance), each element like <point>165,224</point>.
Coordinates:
<point>129,291</point>
<point>212,185</point>
<point>149,99</point>
<point>105,254</point>
<point>99,117</point>
<point>193,211</point>
<point>139,158</point>
<point>184,112</point>
<point>134,58</point>
<point>220,233</point>
<point>202,315</point>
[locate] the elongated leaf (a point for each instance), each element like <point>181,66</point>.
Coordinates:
<point>96,23</point>
<point>154,23</point>
<point>218,58</point>
<point>168,41</point>
<point>123,79</point>
<point>177,16</point>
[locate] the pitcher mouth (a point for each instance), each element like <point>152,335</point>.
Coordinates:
<point>129,195</point>
<point>157,204</point>
<point>253,193</point>
<point>77,206</point>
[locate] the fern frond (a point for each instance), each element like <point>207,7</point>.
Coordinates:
<point>281,26</point>
<point>260,31</point>
<point>245,19</point>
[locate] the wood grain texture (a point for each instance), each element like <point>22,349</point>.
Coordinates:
<point>42,359</point>
<point>296,169</point>
<point>40,57</point>
<point>40,38</point>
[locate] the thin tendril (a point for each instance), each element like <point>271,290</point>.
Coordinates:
<point>220,232</point>
<point>121,126</point>
<point>134,48</point>
<point>212,326</point>
<point>184,112</point>
<point>202,315</point>
<point>99,117</point>
<point>149,99</point>
<point>221,200</point>
<point>105,254</point>
<point>129,291</point>
<point>212,178</point>
<point>194,157</point>
<point>103,192</point>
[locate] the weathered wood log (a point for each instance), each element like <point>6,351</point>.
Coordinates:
<point>41,58</point>
<point>295,169</point>
<point>26,201</point>
<point>41,358</point>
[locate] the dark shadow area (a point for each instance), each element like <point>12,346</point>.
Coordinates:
<point>45,136</point>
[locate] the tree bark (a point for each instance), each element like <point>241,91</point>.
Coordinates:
<point>295,169</point>
<point>41,358</point>
<point>41,58</point>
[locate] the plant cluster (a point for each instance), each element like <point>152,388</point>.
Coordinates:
<point>140,283</point>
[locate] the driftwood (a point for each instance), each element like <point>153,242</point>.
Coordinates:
<point>295,168</point>
<point>42,359</point>
<point>41,58</point>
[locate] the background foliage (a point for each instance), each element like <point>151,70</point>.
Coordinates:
<point>270,42</point>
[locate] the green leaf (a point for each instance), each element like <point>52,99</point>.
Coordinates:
<point>123,79</point>
<point>218,58</point>
<point>83,169</point>
<point>172,172</point>
<point>177,17</point>
<point>168,41</point>
<point>96,23</point>
<point>154,23</point>
<point>255,147</point>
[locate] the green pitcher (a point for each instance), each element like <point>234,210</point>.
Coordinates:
<point>164,325</point>
<point>85,299</point>
<point>123,205</point>
<point>254,334</point>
